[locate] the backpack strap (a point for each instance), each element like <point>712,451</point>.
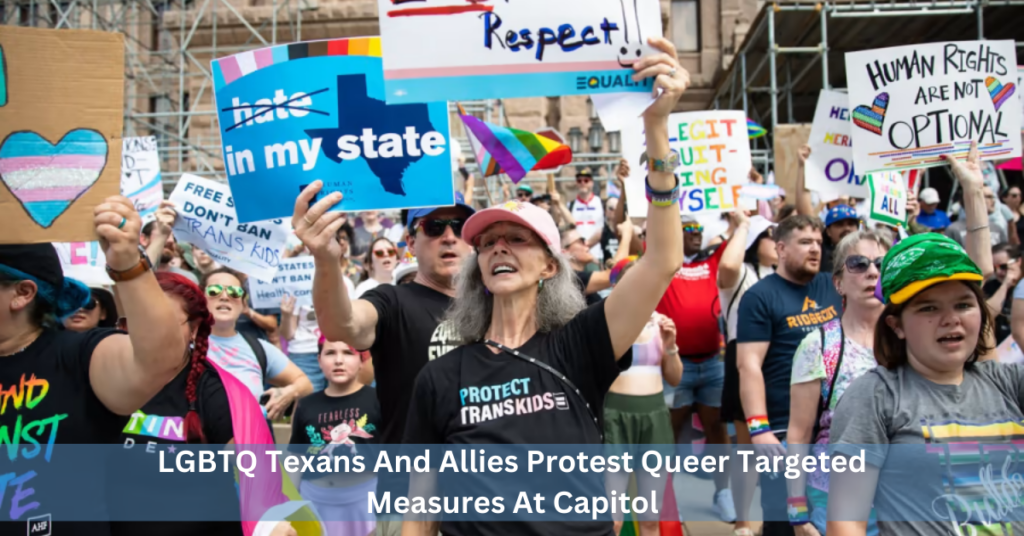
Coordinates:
<point>839,365</point>
<point>258,351</point>
<point>825,401</point>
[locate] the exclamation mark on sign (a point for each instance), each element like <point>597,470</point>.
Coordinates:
<point>3,78</point>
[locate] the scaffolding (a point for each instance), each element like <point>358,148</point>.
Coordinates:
<point>795,48</point>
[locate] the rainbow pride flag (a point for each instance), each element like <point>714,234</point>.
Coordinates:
<point>754,130</point>
<point>512,151</point>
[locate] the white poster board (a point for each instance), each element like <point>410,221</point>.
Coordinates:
<point>294,277</point>
<point>714,154</point>
<point>829,170</point>
<point>888,198</point>
<point>457,50</point>
<point>912,104</point>
<point>83,261</point>
<point>140,175</point>
<point>206,218</point>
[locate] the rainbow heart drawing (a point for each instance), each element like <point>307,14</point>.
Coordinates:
<point>871,119</point>
<point>47,178</point>
<point>999,92</point>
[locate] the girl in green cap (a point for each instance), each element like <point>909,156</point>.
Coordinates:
<point>931,389</point>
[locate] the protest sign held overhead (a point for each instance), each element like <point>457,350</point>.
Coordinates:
<point>60,142</point>
<point>888,198</point>
<point>140,175</point>
<point>294,277</point>
<point>912,104</point>
<point>830,171</point>
<point>293,114</point>
<point>714,156</point>
<point>526,48</point>
<point>207,219</point>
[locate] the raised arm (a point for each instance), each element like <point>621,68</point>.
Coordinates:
<point>621,174</point>
<point>126,371</point>
<point>340,318</point>
<point>730,266</point>
<point>803,198</point>
<point>165,216</point>
<point>631,303</point>
<point>671,363</point>
<point>978,242</point>
<point>289,320</point>
<point>470,181</point>
<point>561,212</point>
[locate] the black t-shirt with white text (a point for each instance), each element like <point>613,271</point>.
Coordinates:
<point>46,398</point>
<point>473,396</point>
<point>160,426</point>
<point>609,242</point>
<point>343,421</point>
<point>409,334</point>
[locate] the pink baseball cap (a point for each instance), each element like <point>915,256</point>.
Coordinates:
<point>530,216</point>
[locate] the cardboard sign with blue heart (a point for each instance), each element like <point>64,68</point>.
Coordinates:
<point>61,117</point>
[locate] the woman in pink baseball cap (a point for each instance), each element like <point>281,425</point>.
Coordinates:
<point>535,364</point>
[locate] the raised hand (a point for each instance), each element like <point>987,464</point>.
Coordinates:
<point>621,173</point>
<point>738,217</point>
<point>967,173</point>
<point>667,330</point>
<point>287,305</point>
<point>166,214</point>
<point>669,77</point>
<point>117,225</point>
<point>317,228</point>
<point>804,152</point>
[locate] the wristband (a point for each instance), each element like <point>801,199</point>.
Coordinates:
<point>665,198</point>
<point>796,509</point>
<point>758,425</point>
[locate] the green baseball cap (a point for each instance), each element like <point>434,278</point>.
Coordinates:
<point>922,261</point>
<point>524,187</point>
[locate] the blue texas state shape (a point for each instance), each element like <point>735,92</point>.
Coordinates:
<point>356,111</point>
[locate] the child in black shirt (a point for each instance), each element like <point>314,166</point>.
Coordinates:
<point>334,422</point>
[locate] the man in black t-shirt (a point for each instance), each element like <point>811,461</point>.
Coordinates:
<point>63,387</point>
<point>399,325</point>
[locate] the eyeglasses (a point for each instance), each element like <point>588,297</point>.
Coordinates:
<point>1002,267</point>
<point>233,292</point>
<point>583,180</point>
<point>523,195</point>
<point>858,264</point>
<point>514,238</point>
<point>692,228</point>
<point>385,253</point>
<point>435,228</point>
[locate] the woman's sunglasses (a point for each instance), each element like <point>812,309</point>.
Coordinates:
<point>858,264</point>
<point>91,305</point>
<point>435,227</point>
<point>385,253</point>
<point>233,292</point>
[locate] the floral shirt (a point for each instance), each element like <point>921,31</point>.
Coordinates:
<point>813,363</point>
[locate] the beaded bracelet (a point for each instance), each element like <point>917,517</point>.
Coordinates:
<point>757,425</point>
<point>796,509</point>
<point>666,198</point>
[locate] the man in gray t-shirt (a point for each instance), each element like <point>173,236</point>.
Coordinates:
<point>931,443</point>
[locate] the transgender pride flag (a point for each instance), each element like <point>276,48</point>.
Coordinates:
<point>47,178</point>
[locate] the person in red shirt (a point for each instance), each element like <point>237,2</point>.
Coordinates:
<point>691,301</point>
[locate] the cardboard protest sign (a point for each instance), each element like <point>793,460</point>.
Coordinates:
<point>83,261</point>
<point>487,49</point>
<point>294,277</point>
<point>714,154</point>
<point>207,218</point>
<point>888,198</point>
<point>912,104</point>
<point>829,170</point>
<point>292,114</point>
<point>140,175</point>
<point>60,131</point>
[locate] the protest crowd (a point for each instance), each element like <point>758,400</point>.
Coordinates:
<point>795,323</point>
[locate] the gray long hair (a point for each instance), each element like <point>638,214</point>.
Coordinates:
<point>558,302</point>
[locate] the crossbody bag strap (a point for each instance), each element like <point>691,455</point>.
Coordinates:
<point>839,365</point>
<point>554,372</point>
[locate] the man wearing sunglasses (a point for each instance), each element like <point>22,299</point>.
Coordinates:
<point>524,192</point>
<point>691,301</point>
<point>586,210</point>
